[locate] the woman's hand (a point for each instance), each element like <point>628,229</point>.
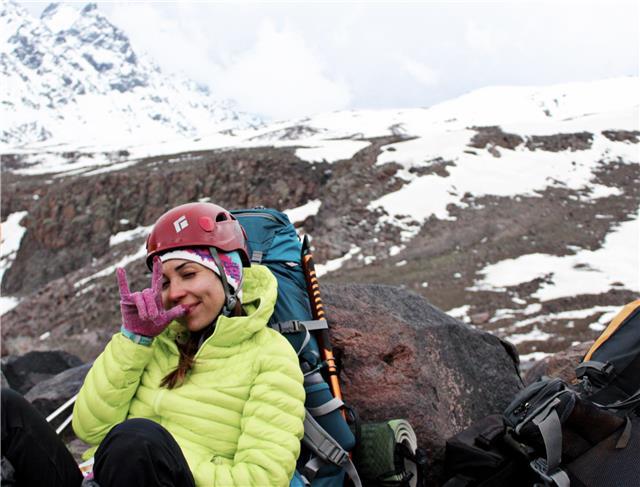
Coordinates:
<point>142,312</point>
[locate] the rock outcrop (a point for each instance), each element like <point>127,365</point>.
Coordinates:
<point>72,222</point>
<point>24,372</point>
<point>50,394</point>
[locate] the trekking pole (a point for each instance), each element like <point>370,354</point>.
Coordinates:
<point>58,411</point>
<point>317,309</point>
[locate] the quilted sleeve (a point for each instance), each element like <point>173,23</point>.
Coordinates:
<point>112,381</point>
<point>272,425</point>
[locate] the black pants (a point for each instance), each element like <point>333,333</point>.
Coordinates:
<point>137,452</point>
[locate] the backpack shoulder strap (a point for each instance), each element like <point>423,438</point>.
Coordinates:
<point>548,422</point>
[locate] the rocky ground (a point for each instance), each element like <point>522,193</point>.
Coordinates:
<point>69,303</point>
<point>447,255</point>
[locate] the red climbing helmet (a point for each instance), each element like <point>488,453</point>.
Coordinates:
<point>196,225</point>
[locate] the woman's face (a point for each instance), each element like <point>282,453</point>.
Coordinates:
<point>197,288</point>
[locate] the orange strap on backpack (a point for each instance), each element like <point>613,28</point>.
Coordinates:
<point>317,309</point>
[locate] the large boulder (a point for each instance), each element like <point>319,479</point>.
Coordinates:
<point>52,393</point>
<point>25,371</point>
<point>403,358</point>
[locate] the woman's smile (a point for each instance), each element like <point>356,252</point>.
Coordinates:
<point>195,287</point>
<point>191,308</point>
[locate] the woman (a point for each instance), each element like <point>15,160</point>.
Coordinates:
<point>223,385</point>
<point>195,389</point>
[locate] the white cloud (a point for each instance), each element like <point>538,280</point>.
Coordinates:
<point>351,48</point>
<point>480,39</point>
<point>424,74</point>
<point>168,35</point>
<point>280,76</point>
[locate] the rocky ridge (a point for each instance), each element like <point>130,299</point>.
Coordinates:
<point>69,296</point>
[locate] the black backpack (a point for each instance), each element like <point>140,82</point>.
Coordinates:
<point>610,371</point>
<point>482,456</point>
<point>549,435</point>
<point>572,438</point>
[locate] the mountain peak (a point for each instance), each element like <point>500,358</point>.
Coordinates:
<point>62,17</point>
<point>58,16</point>
<point>89,8</point>
<point>11,13</point>
<point>72,71</point>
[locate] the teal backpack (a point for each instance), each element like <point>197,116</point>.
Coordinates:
<point>328,439</point>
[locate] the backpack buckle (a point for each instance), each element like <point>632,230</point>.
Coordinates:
<point>289,326</point>
<point>557,478</point>
<point>256,256</point>
<point>333,453</point>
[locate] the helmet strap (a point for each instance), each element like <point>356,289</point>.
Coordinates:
<point>230,297</point>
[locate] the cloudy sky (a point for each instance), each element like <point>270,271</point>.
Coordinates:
<point>289,59</point>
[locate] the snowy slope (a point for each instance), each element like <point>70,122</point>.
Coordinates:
<point>72,76</point>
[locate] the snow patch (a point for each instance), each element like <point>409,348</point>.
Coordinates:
<point>142,251</point>
<point>7,303</point>
<point>11,233</point>
<point>597,191</point>
<point>501,314</point>
<point>303,212</point>
<point>516,173</point>
<point>331,150</point>
<point>128,235</point>
<point>532,309</point>
<point>534,335</point>
<point>586,272</point>
<point>533,356</point>
<point>396,249</point>
<point>335,264</point>
<point>460,313</point>
<point>609,312</point>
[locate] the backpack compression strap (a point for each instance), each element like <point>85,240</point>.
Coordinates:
<point>596,373</point>
<point>600,374</point>
<point>550,427</point>
<point>295,326</point>
<point>327,450</point>
<point>632,400</point>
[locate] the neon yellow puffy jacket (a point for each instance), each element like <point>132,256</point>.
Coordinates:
<point>238,418</point>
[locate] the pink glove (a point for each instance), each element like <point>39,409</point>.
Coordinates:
<point>142,312</point>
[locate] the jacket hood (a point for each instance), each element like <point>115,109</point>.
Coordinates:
<point>259,292</point>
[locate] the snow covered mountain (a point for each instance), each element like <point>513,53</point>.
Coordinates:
<point>72,76</point>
